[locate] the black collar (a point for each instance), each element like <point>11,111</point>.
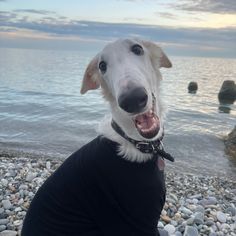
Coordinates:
<point>153,147</point>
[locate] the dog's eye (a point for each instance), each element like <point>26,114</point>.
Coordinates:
<point>137,49</point>
<point>103,66</point>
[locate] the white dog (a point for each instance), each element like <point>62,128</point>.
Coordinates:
<point>128,73</point>
<point>114,185</point>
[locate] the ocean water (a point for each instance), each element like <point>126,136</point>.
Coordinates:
<point>43,113</point>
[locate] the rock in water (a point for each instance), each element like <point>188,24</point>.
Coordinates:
<point>227,94</point>
<point>230,143</point>
<point>192,87</point>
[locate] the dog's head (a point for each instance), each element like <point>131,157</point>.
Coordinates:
<point>128,72</point>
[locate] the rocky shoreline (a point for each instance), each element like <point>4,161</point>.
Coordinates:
<point>195,205</point>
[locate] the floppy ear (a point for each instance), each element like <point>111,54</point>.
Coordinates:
<point>158,57</point>
<point>91,78</point>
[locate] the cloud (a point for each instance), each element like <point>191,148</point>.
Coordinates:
<point>212,6</point>
<point>167,15</point>
<point>57,26</point>
<point>7,16</point>
<point>33,11</point>
<point>63,26</point>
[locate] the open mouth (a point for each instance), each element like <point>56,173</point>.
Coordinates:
<point>147,124</point>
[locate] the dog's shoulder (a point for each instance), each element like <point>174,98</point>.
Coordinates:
<point>94,153</point>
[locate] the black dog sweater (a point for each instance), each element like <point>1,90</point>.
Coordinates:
<point>95,192</point>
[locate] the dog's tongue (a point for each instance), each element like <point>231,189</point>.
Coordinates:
<point>147,124</point>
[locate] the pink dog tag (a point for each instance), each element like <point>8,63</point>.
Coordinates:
<point>161,163</point>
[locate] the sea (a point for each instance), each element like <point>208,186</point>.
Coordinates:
<point>42,112</point>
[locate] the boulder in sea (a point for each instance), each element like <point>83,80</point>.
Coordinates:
<point>192,87</point>
<point>230,143</point>
<point>227,94</point>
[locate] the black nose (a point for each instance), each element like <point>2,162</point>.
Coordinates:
<point>133,100</point>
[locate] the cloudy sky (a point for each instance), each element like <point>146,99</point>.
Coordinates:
<point>182,27</point>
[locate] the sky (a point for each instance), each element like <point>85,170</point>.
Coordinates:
<point>182,27</point>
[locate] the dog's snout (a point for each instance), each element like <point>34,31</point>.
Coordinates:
<point>133,100</point>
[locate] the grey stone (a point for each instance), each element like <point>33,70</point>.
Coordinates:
<point>227,94</point>
<point>169,228</point>
<point>200,208</point>
<point>4,182</point>
<point>30,176</point>
<point>1,210</point>
<point>221,217</point>
<point>177,233</point>
<point>192,87</point>
<point>197,196</point>
<point>212,234</point>
<point>210,222</point>
<point>173,222</point>
<point>2,227</point>
<point>8,233</point>
<point>231,210</point>
<point>190,231</point>
<point>4,221</point>
<point>198,218</point>
<point>48,165</point>
<point>11,173</point>
<point>18,209</point>
<point>163,232</point>
<point>174,197</point>
<point>181,228</point>
<point>10,227</point>
<point>17,222</point>
<point>23,186</point>
<point>208,201</point>
<point>190,221</point>
<point>6,204</point>
<point>185,210</point>
<point>160,225</point>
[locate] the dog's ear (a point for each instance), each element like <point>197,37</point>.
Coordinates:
<point>158,57</point>
<point>91,78</point>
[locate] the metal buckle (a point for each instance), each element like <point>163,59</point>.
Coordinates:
<point>161,145</point>
<point>143,146</point>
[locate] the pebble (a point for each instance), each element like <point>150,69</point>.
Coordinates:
<point>8,233</point>
<point>190,231</point>
<point>2,227</point>
<point>231,210</point>
<point>200,208</point>
<point>160,225</point>
<point>177,233</point>
<point>195,205</point>
<point>186,211</point>
<point>4,182</point>
<point>208,201</point>
<point>6,204</point>
<point>198,218</point>
<point>221,217</point>
<point>48,165</point>
<point>30,176</point>
<point>4,221</point>
<point>169,228</point>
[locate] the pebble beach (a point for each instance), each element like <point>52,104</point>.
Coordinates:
<point>195,205</point>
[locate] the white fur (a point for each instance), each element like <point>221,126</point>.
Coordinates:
<point>123,66</point>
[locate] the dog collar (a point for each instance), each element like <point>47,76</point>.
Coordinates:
<point>155,147</point>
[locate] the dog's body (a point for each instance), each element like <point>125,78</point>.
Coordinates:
<point>108,187</point>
